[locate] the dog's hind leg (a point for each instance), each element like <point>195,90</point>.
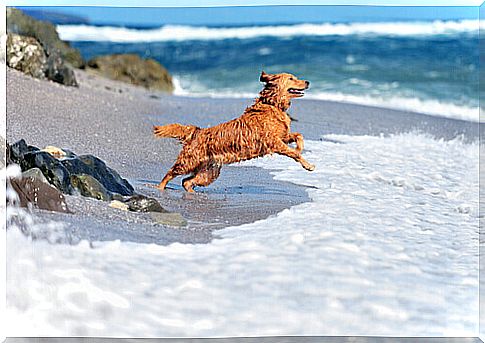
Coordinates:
<point>295,137</point>
<point>188,184</point>
<point>203,178</point>
<point>173,172</point>
<point>169,176</point>
<point>282,149</point>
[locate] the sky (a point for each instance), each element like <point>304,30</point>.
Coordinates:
<point>199,3</point>
<point>261,14</point>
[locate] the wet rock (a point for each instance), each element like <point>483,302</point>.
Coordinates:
<point>91,165</point>
<point>132,69</point>
<point>141,203</point>
<point>16,151</point>
<point>119,205</point>
<point>26,55</point>
<point>34,173</point>
<point>34,190</point>
<point>168,219</point>
<point>44,32</point>
<point>86,174</point>
<point>88,186</point>
<point>52,169</point>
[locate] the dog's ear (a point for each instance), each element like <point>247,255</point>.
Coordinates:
<point>264,77</point>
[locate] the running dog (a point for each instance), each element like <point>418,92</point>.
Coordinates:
<point>263,128</point>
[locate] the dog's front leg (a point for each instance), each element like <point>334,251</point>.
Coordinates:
<point>282,149</point>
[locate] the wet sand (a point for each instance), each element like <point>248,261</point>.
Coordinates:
<point>113,121</point>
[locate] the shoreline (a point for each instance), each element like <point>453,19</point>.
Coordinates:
<point>113,120</point>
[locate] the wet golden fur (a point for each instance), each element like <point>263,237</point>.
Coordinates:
<point>263,128</point>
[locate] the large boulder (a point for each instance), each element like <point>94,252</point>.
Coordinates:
<point>132,69</point>
<point>27,55</point>
<point>45,33</point>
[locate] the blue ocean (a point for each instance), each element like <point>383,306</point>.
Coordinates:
<point>428,67</point>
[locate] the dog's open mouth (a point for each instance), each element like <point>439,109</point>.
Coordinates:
<point>296,91</point>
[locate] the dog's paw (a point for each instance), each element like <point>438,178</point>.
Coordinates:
<point>309,167</point>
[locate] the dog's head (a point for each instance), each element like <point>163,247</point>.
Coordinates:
<point>286,85</point>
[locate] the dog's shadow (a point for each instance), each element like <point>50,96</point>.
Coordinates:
<point>150,185</point>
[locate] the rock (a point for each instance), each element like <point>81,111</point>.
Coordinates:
<point>132,69</point>
<point>55,151</point>
<point>45,33</point>
<point>35,173</point>
<point>26,55</point>
<point>69,173</point>
<point>52,169</point>
<point>88,186</point>
<point>34,47</point>
<point>32,188</point>
<point>141,203</point>
<point>119,205</point>
<point>169,219</point>
<point>16,151</point>
<point>91,165</point>
<point>58,71</point>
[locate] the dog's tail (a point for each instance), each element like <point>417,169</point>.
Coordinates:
<point>183,133</point>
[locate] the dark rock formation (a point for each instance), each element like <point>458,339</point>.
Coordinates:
<point>71,174</point>
<point>45,33</point>
<point>132,69</point>
<point>91,165</point>
<point>16,151</point>
<point>50,166</point>
<point>60,171</point>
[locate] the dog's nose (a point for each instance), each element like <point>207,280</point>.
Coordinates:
<point>307,83</point>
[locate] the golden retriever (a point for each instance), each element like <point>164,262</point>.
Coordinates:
<point>263,128</point>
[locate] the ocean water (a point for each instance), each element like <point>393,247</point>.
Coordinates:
<point>388,246</point>
<point>425,67</point>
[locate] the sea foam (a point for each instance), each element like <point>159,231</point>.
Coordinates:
<point>185,32</point>
<point>388,246</point>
